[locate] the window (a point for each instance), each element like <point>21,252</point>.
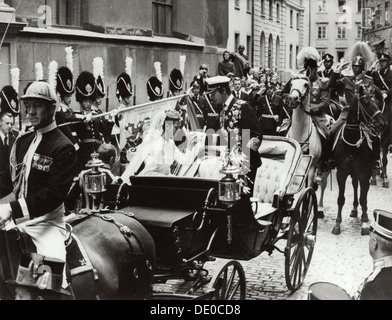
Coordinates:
<point>162,16</point>
<point>249,5</point>
<point>277,12</point>
<point>359,31</point>
<point>387,5</point>
<point>297,22</point>
<point>262,7</point>
<point>236,41</point>
<point>68,13</point>
<point>342,32</point>
<point>378,17</point>
<point>322,4</point>
<point>340,55</point>
<point>237,4</point>
<point>341,3</point>
<point>291,56</point>
<point>291,18</point>
<point>296,54</point>
<point>322,31</point>
<point>270,10</point>
<point>359,5</point>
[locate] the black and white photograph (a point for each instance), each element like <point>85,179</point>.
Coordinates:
<point>198,151</point>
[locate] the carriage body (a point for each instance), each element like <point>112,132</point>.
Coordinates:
<point>190,226</point>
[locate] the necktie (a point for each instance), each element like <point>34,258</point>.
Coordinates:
<point>6,141</point>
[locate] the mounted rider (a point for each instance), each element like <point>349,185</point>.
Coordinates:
<point>43,163</point>
<point>358,56</point>
<point>309,57</point>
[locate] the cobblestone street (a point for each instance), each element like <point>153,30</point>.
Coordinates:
<point>342,259</point>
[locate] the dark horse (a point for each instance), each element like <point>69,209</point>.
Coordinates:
<point>121,252</point>
<point>353,154</point>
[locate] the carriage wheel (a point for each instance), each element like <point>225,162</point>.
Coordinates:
<point>301,239</point>
<point>230,283</point>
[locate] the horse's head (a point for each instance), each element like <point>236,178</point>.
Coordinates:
<point>369,111</point>
<point>299,91</point>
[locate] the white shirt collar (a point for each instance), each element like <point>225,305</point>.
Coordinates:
<point>2,135</point>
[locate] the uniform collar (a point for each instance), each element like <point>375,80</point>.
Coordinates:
<point>48,128</point>
<point>384,262</point>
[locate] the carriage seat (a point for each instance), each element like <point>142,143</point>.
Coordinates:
<point>271,176</point>
<point>267,184</point>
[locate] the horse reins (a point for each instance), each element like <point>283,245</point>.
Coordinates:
<point>358,127</point>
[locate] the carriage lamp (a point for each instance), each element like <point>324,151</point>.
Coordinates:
<point>94,179</point>
<point>229,194</point>
<point>229,188</point>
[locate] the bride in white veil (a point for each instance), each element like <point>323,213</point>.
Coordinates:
<point>160,150</point>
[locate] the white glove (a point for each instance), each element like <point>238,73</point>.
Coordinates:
<point>114,113</point>
<point>276,118</point>
<point>87,118</point>
<point>385,95</point>
<point>342,66</point>
<point>5,214</point>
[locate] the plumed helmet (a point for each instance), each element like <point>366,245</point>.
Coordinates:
<point>176,80</point>
<point>360,53</point>
<point>65,82</point>
<point>40,90</point>
<point>358,61</point>
<point>98,75</point>
<point>9,101</point>
<point>85,86</point>
<point>100,84</point>
<point>308,57</point>
<point>154,88</point>
<point>124,86</point>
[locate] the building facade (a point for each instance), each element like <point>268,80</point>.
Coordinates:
<point>335,25</point>
<point>147,31</point>
<point>240,26</point>
<point>377,16</point>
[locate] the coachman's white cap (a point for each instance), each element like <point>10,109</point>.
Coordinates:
<point>382,224</point>
<point>40,90</point>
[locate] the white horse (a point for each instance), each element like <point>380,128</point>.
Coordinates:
<point>302,127</point>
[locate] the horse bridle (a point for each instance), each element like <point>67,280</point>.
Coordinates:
<point>303,96</point>
<point>362,126</point>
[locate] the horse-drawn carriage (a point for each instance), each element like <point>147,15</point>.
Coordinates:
<point>192,223</point>
<point>152,228</point>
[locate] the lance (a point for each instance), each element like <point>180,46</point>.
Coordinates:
<point>121,110</point>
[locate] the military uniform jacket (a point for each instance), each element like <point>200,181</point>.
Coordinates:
<point>383,80</point>
<point>350,84</point>
<point>378,286</point>
<point>5,174</point>
<point>201,108</point>
<point>267,108</point>
<point>66,115</point>
<point>52,169</point>
<point>239,115</point>
<point>319,98</point>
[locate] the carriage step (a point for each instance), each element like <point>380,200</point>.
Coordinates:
<point>264,223</point>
